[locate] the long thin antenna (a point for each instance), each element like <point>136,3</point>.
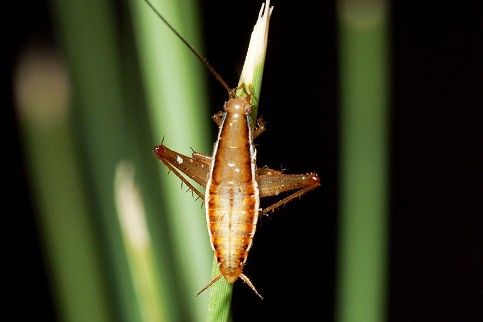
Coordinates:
<point>194,51</point>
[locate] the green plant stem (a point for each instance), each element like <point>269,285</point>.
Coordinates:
<point>177,108</point>
<point>138,245</point>
<point>90,42</point>
<point>69,241</point>
<point>363,34</point>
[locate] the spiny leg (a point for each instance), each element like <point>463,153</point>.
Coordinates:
<point>201,158</point>
<point>272,182</point>
<point>287,199</point>
<point>183,179</point>
<point>266,171</point>
<point>195,168</point>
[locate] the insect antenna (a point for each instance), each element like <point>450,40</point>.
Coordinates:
<point>192,49</point>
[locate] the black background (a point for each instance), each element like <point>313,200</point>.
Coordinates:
<point>436,195</point>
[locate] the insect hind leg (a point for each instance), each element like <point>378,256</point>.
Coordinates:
<point>177,163</point>
<point>272,182</point>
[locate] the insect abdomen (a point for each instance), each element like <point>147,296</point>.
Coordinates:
<point>232,229</point>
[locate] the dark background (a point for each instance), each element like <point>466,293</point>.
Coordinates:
<point>436,143</point>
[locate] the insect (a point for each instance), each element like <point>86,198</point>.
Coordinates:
<point>233,183</point>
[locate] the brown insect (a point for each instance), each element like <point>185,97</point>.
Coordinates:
<point>233,183</point>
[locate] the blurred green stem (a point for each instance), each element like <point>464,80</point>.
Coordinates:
<point>138,245</point>
<point>364,90</point>
<point>69,240</point>
<point>177,107</point>
<point>88,33</point>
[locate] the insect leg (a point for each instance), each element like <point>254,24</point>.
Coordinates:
<point>194,168</point>
<point>272,182</point>
<point>259,128</point>
<point>201,158</point>
<point>218,117</point>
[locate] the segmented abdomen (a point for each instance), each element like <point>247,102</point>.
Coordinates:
<point>232,219</point>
